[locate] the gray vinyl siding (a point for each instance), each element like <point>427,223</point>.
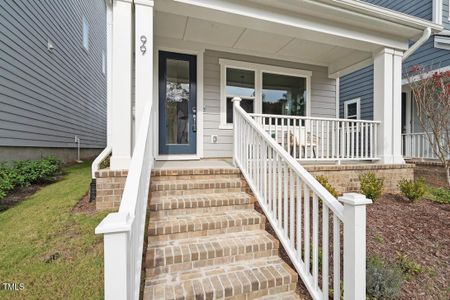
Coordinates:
<point>428,56</point>
<point>48,97</point>
<point>323,97</point>
<point>358,84</point>
<point>418,8</point>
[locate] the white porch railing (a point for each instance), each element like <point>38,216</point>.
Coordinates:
<point>124,231</point>
<point>416,145</point>
<point>309,138</point>
<point>299,210</point>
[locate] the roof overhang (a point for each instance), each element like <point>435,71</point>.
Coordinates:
<point>361,28</point>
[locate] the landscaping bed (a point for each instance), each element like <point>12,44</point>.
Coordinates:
<point>416,236</point>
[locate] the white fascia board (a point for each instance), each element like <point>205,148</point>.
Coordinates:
<point>386,14</point>
<point>282,22</point>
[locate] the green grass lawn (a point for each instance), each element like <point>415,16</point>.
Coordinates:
<point>49,248</point>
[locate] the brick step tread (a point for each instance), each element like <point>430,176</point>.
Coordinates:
<point>283,296</point>
<point>201,222</point>
<point>215,183</point>
<point>195,171</point>
<point>222,281</point>
<point>197,251</point>
<point>199,200</point>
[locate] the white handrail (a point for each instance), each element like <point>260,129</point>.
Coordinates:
<point>98,160</point>
<point>124,231</point>
<point>291,199</point>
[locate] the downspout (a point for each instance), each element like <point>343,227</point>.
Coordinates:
<point>108,150</point>
<point>425,36</point>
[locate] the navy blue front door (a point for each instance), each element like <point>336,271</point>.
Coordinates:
<point>177,103</point>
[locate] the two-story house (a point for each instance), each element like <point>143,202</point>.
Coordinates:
<point>356,94</point>
<point>52,79</point>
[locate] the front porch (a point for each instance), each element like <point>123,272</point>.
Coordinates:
<point>255,81</point>
<point>285,71</point>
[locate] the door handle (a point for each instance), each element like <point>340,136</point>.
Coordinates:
<point>194,119</point>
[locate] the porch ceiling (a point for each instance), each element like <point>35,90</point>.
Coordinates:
<point>227,37</point>
<point>293,30</point>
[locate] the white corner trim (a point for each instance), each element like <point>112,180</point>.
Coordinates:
<point>437,11</point>
<point>358,107</point>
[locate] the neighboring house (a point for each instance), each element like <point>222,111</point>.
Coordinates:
<point>252,81</point>
<point>52,78</point>
<point>357,88</point>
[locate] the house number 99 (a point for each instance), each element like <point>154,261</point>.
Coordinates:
<point>143,47</point>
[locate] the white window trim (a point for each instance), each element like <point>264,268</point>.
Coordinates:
<point>259,69</point>
<point>358,107</point>
<point>85,33</point>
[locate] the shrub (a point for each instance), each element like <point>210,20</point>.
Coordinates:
<point>409,267</point>
<point>383,281</point>
<point>371,186</point>
<point>324,181</point>
<point>25,172</point>
<point>413,190</point>
<point>440,195</point>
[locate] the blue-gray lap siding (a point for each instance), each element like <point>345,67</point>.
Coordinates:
<point>359,84</point>
<point>418,8</point>
<point>48,97</point>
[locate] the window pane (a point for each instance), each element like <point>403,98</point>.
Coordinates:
<point>246,104</point>
<point>283,95</point>
<point>177,101</point>
<point>352,109</point>
<point>240,83</point>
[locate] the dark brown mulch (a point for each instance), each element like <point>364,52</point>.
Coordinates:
<point>85,206</point>
<point>421,231</point>
<point>18,195</point>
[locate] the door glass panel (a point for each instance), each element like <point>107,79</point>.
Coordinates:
<point>177,101</point>
<point>283,95</point>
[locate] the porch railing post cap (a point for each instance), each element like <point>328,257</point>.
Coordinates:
<point>238,99</point>
<point>354,199</point>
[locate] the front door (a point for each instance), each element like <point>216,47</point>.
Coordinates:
<point>177,103</point>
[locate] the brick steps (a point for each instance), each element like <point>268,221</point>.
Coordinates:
<point>206,241</point>
<point>283,296</point>
<point>240,280</point>
<point>201,203</point>
<point>191,253</point>
<point>175,227</point>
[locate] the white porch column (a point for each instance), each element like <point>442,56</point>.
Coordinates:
<point>121,84</point>
<point>388,104</point>
<point>143,57</point>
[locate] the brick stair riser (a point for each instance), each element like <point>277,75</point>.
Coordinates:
<point>205,210</point>
<point>152,271</point>
<point>206,253</point>
<point>247,284</point>
<point>208,232</point>
<point>198,191</point>
<point>195,177</point>
<point>193,185</point>
<point>205,200</point>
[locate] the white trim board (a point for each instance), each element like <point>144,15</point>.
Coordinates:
<point>258,69</point>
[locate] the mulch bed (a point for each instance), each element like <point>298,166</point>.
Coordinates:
<point>85,206</point>
<point>18,195</point>
<point>421,231</point>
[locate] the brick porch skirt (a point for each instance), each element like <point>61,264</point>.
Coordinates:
<point>344,178</point>
<point>433,172</point>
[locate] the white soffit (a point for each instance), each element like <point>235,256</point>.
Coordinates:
<point>211,32</point>
<point>169,25</point>
<point>300,48</point>
<point>261,41</point>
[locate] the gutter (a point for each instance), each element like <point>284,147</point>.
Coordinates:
<point>425,36</point>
